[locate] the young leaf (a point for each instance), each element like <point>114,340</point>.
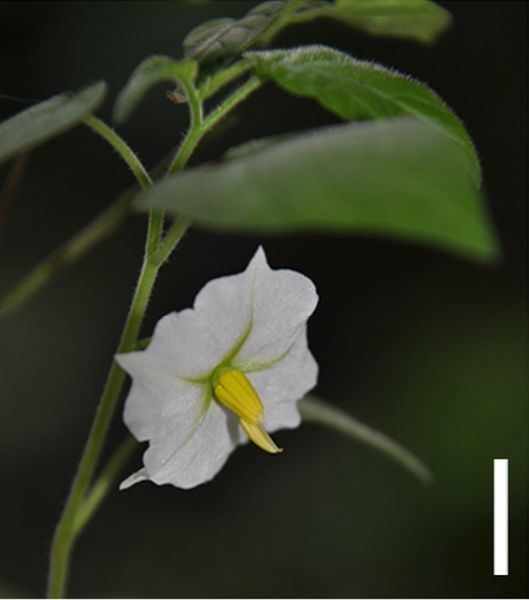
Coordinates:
<point>356,90</point>
<point>314,410</point>
<point>147,74</point>
<point>398,178</point>
<point>199,39</point>
<point>47,119</point>
<point>221,39</point>
<point>421,20</point>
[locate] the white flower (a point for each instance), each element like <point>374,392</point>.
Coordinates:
<point>228,369</point>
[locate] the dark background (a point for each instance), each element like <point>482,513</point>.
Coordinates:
<point>425,346</point>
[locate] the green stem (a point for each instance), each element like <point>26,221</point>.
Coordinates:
<point>195,105</point>
<point>68,527</point>
<point>315,410</point>
<point>135,165</point>
<point>78,509</point>
<point>104,482</point>
<point>171,239</point>
<point>199,128</point>
<point>153,241</point>
<point>238,96</point>
<point>66,530</point>
<point>185,150</point>
<point>194,133</point>
<point>222,78</point>
<point>121,147</point>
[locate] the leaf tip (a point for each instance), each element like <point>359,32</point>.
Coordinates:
<point>91,95</point>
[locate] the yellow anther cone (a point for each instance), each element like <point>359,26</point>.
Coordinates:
<point>234,390</point>
<point>259,437</point>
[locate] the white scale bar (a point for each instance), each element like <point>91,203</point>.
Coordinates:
<point>501,516</point>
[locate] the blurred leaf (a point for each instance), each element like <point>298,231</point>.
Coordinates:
<point>47,119</point>
<point>356,90</point>
<point>421,20</point>
<point>314,410</point>
<point>226,37</point>
<point>252,146</point>
<point>147,74</point>
<point>398,178</point>
<point>68,253</point>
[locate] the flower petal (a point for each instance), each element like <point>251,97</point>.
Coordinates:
<point>133,479</point>
<point>285,382</point>
<point>256,318</point>
<point>187,341</point>
<point>200,458</point>
<point>224,306</point>
<point>281,302</point>
<point>157,394</point>
<point>261,307</point>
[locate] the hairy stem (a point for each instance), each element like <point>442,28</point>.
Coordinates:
<point>121,147</point>
<point>135,165</point>
<point>175,233</point>
<point>238,96</point>
<point>66,531</point>
<point>222,78</point>
<point>195,134</point>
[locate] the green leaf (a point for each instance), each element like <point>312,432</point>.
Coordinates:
<point>47,119</point>
<point>199,39</point>
<point>421,20</point>
<point>398,178</point>
<point>147,74</point>
<point>252,146</point>
<point>356,90</point>
<point>221,39</point>
<point>67,254</point>
<point>314,410</point>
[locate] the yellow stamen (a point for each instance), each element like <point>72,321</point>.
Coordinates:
<point>260,438</point>
<point>234,390</point>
